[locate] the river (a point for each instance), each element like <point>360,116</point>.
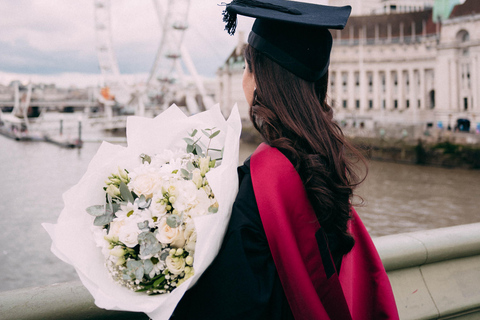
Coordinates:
<point>398,198</point>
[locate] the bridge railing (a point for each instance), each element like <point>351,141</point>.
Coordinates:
<point>435,274</point>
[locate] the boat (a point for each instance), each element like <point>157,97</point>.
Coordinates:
<point>23,123</point>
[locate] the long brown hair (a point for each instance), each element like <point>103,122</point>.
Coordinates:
<point>293,115</point>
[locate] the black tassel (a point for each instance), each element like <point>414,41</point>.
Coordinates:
<point>230,18</point>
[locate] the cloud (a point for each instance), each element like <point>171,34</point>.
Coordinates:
<point>49,37</point>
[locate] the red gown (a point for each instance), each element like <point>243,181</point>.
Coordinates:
<point>299,248</point>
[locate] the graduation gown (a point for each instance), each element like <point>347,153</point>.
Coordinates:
<point>243,281</point>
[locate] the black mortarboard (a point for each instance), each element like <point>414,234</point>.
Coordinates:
<point>293,34</point>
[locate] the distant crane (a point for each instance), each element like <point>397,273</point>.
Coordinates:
<point>167,77</point>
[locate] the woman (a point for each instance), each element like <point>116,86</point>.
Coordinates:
<point>294,248</point>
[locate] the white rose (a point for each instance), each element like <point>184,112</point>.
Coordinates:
<point>175,265</point>
<point>167,234</point>
<point>145,184</point>
<point>126,230</point>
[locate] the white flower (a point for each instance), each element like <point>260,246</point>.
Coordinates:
<point>175,265</point>
<point>145,180</point>
<point>200,204</point>
<point>186,195</point>
<point>127,231</point>
<point>190,236</point>
<point>117,255</point>
<point>167,234</point>
<point>197,178</point>
<point>113,190</point>
<point>204,165</point>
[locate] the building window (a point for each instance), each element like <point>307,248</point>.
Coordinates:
<point>384,104</point>
<point>432,99</point>
<point>419,104</point>
<point>465,104</point>
<point>384,88</point>
<point>370,104</point>
<point>357,104</point>
<point>407,104</point>
<point>395,104</point>
<point>344,104</point>
<point>344,81</point>
<point>333,103</point>
<point>370,82</point>
<point>357,79</point>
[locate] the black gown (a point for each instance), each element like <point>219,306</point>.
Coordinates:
<point>242,282</point>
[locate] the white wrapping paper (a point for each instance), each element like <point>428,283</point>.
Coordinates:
<point>72,239</point>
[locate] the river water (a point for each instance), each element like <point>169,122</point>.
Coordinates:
<point>398,198</point>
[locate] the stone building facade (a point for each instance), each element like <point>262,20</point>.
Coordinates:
<point>397,68</point>
<point>404,68</point>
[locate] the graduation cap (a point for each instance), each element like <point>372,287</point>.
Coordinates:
<point>293,34</point>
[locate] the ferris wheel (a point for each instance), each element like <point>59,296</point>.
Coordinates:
<point>166,75</point>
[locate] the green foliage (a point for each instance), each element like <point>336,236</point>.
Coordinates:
<point>173,220</point>
<point>145,158</point>
<point>149,245</point>
<point>193,143</point>
<point>126,194</point>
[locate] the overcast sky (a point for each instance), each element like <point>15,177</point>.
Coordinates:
<point>51,39</point>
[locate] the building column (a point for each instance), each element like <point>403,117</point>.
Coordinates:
<point>401,90</point>
<point>388,89</point>
<point>377,87</point>
<point>475,84</point>
<point>454,101</point>
<point>422,89</point>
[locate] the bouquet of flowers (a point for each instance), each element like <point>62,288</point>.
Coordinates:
<point>145,228</point>
<point>146,220</point>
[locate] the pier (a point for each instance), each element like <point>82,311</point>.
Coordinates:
<point>435,274</point>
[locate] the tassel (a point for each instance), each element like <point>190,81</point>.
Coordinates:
<point>230,18</point>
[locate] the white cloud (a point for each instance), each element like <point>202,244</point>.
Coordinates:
<point>46,36</point>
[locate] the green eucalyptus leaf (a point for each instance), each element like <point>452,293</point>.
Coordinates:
<point>143,225</point>
<point>173,221</point>
<point>190,148</point>
<point>126,194</point>
<point>185,173</point>
<point>188,140</point>
<point>115,207</point>
<point>190,166</point>
<point>206,133</point>
<point>198,150</point>
<point>96,210</point>
<point>147,266</point>
<point>149,245</point>
<point>194,133</point>
<point>213,135</point>
<point>143,202</point>
<point>103,220</point>
<point>213,209</point>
